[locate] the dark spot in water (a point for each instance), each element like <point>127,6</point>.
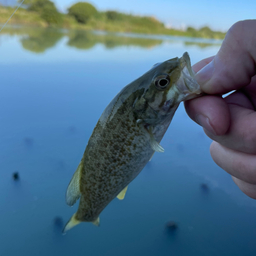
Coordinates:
<point>61,164</point>
<point>171,229</point>
<point>29,142</point>
<point>171,225</point>
<point>16,176</point>
<point>58,223</point>
<point>180,148</point>
<point>204,187</point>
<point>72,129</point>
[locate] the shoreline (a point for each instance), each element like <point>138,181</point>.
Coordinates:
<point>31,19</point>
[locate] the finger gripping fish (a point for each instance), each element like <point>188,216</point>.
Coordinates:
<point>127,135</point>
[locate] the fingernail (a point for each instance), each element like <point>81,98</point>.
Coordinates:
<point>204,75</point>
<point>205,122</point>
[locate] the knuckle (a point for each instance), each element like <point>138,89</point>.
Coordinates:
<point>243,33</point>
<point>237,34</point>
<point>238,26</point>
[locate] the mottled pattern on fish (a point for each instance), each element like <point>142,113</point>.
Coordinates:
<point>127,134</point>
<point>117,151</point>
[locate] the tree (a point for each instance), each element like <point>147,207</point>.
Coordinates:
<point>46,9</point>
<point>112,15</point>
<point>82,11</point>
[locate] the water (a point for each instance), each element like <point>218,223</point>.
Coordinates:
<point>54,87</point>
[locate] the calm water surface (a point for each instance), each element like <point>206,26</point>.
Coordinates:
<point>54,87</point>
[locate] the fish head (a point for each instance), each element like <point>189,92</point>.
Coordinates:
<point>169,83</point>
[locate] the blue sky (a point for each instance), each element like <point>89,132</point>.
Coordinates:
<point>218,14</point>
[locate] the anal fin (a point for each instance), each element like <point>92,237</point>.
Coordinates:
<point>96,222</point>
<point>121,195</point>
<point>73,192</point>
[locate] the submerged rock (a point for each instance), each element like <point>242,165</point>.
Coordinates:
<point>58,222</point>
<point>171,225</point>
<point>72,129</point>
<point>28,142</point>
<point>16,176</point>
<point>204,187</point>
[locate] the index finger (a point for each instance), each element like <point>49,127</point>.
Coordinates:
<point>199,65</point>
<point>234,65</point>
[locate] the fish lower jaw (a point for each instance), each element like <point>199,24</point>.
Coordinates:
<point>188,86</point>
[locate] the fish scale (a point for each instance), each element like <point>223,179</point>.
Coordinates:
<point>127,135</point>
<point>111,166</point>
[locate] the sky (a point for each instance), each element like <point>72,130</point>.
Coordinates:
<point>217,14</point>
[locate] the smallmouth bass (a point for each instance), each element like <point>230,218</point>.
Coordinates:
<point>127,135</point>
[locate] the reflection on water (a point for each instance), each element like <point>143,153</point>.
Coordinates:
<point>86,40</point>
<point>199,44</point>
<point>38,39</point>
<point>82,40</point>
<point>41,39</point>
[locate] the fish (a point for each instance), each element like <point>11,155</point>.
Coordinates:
<point>127,135</point>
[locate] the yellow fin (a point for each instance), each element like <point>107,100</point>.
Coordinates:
<point>73,191</point>
<point>96,222</point>
<point>121,195</point>
<point>72,222</point>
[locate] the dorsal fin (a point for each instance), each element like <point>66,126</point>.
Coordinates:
<point>121,195</point>
<point>73,191</point>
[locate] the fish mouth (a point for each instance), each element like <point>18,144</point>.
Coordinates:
<point>187,83</point>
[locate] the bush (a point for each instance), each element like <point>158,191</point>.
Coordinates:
<point>51,16</point>
<point>82,11</point>
<point>47,11</point>
<point>112,15</point>
<point>205,30</point>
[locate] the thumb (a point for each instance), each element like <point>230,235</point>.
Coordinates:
<point>234,65</point>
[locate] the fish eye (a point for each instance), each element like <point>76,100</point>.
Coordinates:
<point>161,82</point>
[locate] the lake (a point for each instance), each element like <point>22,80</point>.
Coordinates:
<point>54,86</point>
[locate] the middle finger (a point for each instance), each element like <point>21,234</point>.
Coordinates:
<point>241,135</point>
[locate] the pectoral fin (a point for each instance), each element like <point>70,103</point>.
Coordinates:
<point>73,192</point>
<point>153,143</point>
<point>121,195</point>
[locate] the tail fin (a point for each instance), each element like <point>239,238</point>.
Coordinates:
<point>72,222</point>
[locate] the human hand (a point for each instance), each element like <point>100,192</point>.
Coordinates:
<point>230,121</point>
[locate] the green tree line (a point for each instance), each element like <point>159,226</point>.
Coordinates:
<point>83,15</point>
